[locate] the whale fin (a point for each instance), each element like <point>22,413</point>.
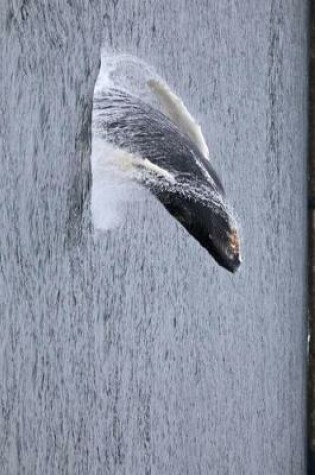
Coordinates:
<point>151,167</point>
<point>124,160</point>
<point>175,110</point>
<point>129,160</point>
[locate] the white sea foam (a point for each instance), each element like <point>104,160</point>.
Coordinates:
<point>114,185</point>
<point>112,169</point>
<point>115,171</point>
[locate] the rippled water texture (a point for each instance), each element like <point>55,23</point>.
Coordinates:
<point>129,351</point>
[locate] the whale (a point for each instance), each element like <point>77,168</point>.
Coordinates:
<point>167,149</point>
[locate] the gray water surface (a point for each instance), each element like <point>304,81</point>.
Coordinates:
<point>135,353</point>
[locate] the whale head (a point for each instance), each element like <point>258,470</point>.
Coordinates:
<point>211,223</point>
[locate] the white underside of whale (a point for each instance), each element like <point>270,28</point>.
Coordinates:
<point>175,109</point>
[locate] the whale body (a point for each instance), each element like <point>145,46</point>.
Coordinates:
<point>168,150</point>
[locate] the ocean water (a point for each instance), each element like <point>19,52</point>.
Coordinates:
<point>128,350</point>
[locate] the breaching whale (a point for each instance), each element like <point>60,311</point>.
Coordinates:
<point>169,151</point>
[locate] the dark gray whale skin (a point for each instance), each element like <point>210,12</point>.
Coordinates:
<point>196,198</point>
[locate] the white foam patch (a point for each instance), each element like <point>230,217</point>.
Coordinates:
<point>115,171</point>
<point>113,186</point>
<point>127,72</point>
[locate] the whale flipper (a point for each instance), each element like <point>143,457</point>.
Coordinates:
<point>176,110</point>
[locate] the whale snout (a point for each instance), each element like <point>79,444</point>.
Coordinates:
<point>224,246</point>
<point>232,264</point>
<point>234,254</point>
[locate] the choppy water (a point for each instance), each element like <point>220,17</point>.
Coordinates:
<point>133,352</point>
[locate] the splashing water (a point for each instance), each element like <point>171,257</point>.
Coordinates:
<point>113,170</point>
